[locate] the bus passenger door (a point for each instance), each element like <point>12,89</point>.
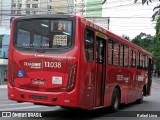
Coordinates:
<point>149,76</point>
<point>100,71</point>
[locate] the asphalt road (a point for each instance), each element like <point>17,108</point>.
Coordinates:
<point>151,104</point>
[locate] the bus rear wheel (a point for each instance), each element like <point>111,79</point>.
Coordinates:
<point>139,101</point>
<point>115,100</point>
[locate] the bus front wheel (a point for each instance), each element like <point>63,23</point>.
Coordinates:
<point>115,100</point>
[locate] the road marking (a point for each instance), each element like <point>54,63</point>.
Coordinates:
<point>20,108</point>
<point>7,101</point>
<point>3,86</point>
<point>15,104</point>
<point>3,99</point>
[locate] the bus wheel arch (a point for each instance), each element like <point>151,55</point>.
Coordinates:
<point>144,90</point>
<point>143,93</point>
<point>116,99</point>
<point>119,91</point>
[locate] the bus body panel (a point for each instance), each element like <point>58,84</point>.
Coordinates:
<point>87,75</point>
<point>34,78</point>
<point>43,78</point>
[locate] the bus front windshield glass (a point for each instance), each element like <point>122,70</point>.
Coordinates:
<point>47,34</point>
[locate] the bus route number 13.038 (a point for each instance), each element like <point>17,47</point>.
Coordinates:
<point>52,64</point>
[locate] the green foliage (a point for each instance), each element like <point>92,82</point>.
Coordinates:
<point>156,8</point>
<point>158,29</point>
<point>157,46</point>
<point>126,37</point>
<point>145,41</point>
<point>60,13</point>
<point>151,44</point>
<point>144,1</point>
<point>104,1</point>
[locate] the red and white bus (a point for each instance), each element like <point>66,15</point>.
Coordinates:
<point>68,61</point>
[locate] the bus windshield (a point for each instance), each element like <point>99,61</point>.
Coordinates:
<point>46,34</point>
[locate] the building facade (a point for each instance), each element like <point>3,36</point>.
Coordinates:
<point>80,7</point>
<point>88,8</point>
<point>93,8</point>
<point>58,7</point>
<point>13,8</point>
<point>5,12</point>
<point>28,7</point>
<point>34,7</point>
<point>4,58</point>
<point>5,45</point>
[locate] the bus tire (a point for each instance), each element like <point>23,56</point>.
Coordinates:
<point>115,100</point>
<point>67,108</point>
<point>139,101</point>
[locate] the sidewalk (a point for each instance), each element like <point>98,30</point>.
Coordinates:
<point>156,78</point>
<point>3,86</point>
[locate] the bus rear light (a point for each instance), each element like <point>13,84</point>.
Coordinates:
<point>40,50</point>
<point>67,101</point>
<point>12,95</point>
<point>71,16</point>
<point>72,78</point>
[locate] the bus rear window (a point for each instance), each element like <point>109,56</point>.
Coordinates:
<point>47,34</point>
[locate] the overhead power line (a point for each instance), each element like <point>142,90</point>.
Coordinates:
<point>132,29</point>
<point>79,3</point>
<point>89,10</point>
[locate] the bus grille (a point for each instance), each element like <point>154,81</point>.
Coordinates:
<point>38,97</point>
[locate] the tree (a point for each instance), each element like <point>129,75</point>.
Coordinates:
<point>156,8</point>
<point>143,1</point>
<point>60,12</point>
<point>151,44</point>
<point>158,29</point>
<point>157,47</point>
<point>126,37</point>
<point>145,41</point>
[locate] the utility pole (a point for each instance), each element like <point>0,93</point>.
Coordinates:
<point>1,2</point>
<point>108,22</point>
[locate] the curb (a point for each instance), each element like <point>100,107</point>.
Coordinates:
<point>156,78</point>
<point>3,86</point>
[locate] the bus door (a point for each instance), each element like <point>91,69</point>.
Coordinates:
<point>100,70</point>
<point>149,76</point>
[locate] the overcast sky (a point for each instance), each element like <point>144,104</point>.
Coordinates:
<point>128,18</point>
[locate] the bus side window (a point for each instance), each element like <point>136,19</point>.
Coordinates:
<point>121,55</point>
<point>126,56</point>
<point>132,58</point>
<point>145,66</point>
<point>89,44</point>
<point>110,51</point>
<point>116,54</point>
<point>140,60</point>
<point>113,52</point>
